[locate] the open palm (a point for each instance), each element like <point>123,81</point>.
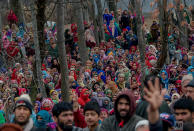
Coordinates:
<point>153,95</point>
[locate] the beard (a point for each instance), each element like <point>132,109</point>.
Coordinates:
<point>23,122</point>
<point>64,127</point>
<point>123,115</point>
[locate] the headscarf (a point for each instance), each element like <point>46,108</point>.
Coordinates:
<point>108,106</point>
<point>22,90</point>
<point>83,99</point>
<point>165,81</point>
<point>46,118</point>
<point>49,103</point>
<point>39,105</point>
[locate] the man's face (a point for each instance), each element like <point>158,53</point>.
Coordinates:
<point>190,92</point>
<point>91,118</point>
<point>64,119</point>
<point>123,107</point>
<point>22,115</point>
<point>183,115</point>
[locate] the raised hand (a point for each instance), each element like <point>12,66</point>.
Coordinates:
<point>75,102</point>
<point>153,95</point>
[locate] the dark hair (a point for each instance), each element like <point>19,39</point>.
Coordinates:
<point>61,107</point>
<point>92,106</point>
<point>152,77</point>
<point>184,103</point>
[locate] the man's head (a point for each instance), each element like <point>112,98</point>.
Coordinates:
<point>124,105</point>
<point>183,109</point>
<point>23,110</point>
<point>63,115</point>
<point>190,90</point>
<point>92,113</point>
<point>185,81</point>
<point>142,125</point>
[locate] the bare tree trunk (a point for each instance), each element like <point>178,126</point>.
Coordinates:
<point>37,51</point>
<point>100,20</point>
<point>180,18</point>
<point>91,5</point>
<point>62,51</point>
<point>85,10</point>
<point>163,20</point>
<point>80,30</point>
<point>192,13</point>
<point>141,42</point>
<point>41,20</point>
<point>1,27</point>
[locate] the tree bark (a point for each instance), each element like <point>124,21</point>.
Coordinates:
<point>62,51</point>
<point>192,13</point>
<point>41,20</point>
<point>85,10</point>
<point>80,30</point>
<point>100,20</point>
<point>163,21</point>
<point>180,18</point>
<point>141,42</point>
<point>1,27</point>
<point>91,6</point>
<point>37,51</point>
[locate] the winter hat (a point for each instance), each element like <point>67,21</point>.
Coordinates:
<point>167,97</point>
<point>142,123</point>
<point>92,105</point>
<point>24,100</point>
<point>168,119</point>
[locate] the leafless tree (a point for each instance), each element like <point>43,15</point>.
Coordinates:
<point>100,20</point>
<point>37,51</point>
<point>141,42</point>
<point>62,51</point>
<point>163,21</point>
<point>80,30</point>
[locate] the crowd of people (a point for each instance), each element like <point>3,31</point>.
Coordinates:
<point>108,95</point>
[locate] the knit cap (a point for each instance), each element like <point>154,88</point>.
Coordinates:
<point>24,100</point>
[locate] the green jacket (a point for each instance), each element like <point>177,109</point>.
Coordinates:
<point>111,124</point>
<point>141,109</point>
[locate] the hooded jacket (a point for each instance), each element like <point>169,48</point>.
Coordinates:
<point>113,123</point>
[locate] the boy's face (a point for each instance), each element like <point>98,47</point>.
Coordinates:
<point>91,118</point>
<point>183,115</point>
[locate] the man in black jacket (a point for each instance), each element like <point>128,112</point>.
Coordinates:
<point>63,116</point>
